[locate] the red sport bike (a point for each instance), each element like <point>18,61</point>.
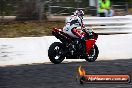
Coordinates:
<point>73,48</point>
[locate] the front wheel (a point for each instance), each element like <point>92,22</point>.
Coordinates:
<point>92,56</point>
<point>56,53</point>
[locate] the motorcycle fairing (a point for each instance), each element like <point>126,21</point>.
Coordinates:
<point>89,44</point>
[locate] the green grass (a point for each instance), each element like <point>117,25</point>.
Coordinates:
<point>28,29</point>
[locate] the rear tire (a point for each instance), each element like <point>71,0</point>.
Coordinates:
<point>93,54</point>
<point>56,53</point>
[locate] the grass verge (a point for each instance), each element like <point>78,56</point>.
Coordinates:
<point>28,29</point>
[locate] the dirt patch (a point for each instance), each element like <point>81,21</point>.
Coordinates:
<point>28,28</point>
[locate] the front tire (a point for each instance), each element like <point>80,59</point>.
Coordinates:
<point>56,53</point>
<point>92,56</point>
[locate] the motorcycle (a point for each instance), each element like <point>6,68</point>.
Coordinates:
<point>73,48</point>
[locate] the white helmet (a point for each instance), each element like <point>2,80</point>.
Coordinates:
<point>79,13</point>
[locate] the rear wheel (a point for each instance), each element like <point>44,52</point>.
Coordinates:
<point>56,53</point>
<point>92,56</point>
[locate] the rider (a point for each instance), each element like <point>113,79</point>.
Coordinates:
<point>73,22</point>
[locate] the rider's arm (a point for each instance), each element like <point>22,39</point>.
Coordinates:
<point>81,22</point>
<point>89,30</point>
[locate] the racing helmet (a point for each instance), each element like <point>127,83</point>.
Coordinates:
<point>79,13</point>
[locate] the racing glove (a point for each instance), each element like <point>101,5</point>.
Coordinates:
<point>84,29</point>
<point>82,37</point>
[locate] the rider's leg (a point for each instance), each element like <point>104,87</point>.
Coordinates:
<point>76,32</point>
<point>79,42</point>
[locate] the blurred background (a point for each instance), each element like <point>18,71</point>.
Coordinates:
<point>31,18</point>
<point>40,9</point>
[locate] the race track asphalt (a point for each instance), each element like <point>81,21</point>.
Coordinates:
<point>62,75</point>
